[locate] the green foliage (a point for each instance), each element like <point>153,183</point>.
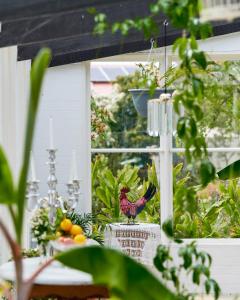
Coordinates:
<point>41,228</point>
<point>101,135</point>
<point>198,213</point>
<point>83,220</point>
<point>6,181</point>
<point>207,171</point>
<point>106,190</point>
<point>183,15</point>
<point>44,231</point>
<point>220,100</point>
<point>219,104</point>
<point>37,74</point>
<point>125,278</point>
<point>130,127</point>
<point>29,253</point>
<point>232,171</point>
<point>9,194</point>
<point>193,263</point>
<point>125,128</point>
<point>212,215</point>
<point>86,222</point>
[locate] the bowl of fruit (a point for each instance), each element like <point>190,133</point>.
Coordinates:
<point>69,236</point>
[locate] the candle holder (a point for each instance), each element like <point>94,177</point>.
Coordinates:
<point>71,197</point>
<point>73,193</point>
<point>54,201</point>
<point>32,194</point>
<point>76,187</point>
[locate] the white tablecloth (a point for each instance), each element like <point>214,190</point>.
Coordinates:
<point>139,241</point>
<point>55,274</point>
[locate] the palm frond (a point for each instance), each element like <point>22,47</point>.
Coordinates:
<point>83,220</point>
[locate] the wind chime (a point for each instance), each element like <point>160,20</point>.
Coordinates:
<point>159,110</point>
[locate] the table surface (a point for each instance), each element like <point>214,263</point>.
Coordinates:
<point>55,274</point>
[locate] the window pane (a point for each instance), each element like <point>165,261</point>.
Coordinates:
<point>112,172</point>
<point>115,121</point>
<point>211,212</point>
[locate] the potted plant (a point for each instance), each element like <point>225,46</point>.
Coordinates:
<point>153,85</point>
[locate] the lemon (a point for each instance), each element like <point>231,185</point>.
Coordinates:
<point>76,229</point>
<point>58,234</point>
<point>80,239</point>
<point>66,225</point>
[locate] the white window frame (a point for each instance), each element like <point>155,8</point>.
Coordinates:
<point>166,151</point>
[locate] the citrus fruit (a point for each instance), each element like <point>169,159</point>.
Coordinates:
<point>76,229</point>
<point>66,225</point>
<point>58,234</point>
<point>80,239</point>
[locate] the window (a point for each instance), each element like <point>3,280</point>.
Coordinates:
<point>123,147</point>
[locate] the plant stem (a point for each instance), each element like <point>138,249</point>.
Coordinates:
<point>17,257</point>
<point>13,216</point>
<point>16,252</point>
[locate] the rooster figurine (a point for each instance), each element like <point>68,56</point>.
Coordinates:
<point>131,210</point>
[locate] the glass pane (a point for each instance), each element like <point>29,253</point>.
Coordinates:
<point>210,212</point>
<point>112,172</point>
<point>115,121</point>
<point>221,116</point>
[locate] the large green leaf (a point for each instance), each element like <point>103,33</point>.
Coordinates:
<point>230,172</point>
<point>39,67</point>
<point>124,277</point>
<point>6,181</point>
<point>100,193</point>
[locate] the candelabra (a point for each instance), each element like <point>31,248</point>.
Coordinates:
<point>53,200</point>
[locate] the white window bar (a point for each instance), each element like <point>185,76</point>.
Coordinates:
<point>157,150</point>
<point>126,150</point>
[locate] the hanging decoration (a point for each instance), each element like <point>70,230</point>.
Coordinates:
<point>160,113</point>
<point>150,82</point>
<point>160,109</point>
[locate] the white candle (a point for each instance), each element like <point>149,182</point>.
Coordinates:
<point>33,170</point>
<point>51,144</point>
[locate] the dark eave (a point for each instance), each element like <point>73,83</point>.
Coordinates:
<point>66,27</point>
<point>14,10</point>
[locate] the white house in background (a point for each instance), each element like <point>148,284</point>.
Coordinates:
<point>103,74</point>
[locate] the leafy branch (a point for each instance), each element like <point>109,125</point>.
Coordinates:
<point>193,263</point>
<point>185,16</point>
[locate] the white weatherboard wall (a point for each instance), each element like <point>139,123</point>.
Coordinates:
<point>65,98</point>
<point>225,265</point>
<point>14,82</point>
